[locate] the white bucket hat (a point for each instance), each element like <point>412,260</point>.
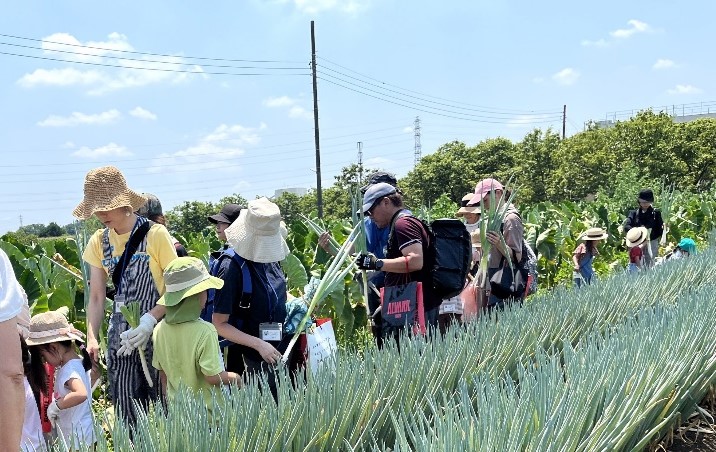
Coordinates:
<point>256,234</point>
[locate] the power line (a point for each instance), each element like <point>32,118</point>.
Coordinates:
<point>265,158</point>
<point>222,66</point>
<point>429,111</point>
<point>147,53</point>
<point>517,111</point>
<point>480,110</point>
<point>180,71</point>
<point>193,143</point>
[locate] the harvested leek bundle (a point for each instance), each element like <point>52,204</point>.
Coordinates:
<point>333,276</point>
<point>319,230</point>
<point>131,314</point>
<point>491,221</point>
<point>666,207</point>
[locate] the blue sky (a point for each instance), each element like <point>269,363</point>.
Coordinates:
<point>469,69</point>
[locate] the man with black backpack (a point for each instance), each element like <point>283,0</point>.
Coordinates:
<point>408,246</point>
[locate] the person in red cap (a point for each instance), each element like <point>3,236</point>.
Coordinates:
<point>512,230</point>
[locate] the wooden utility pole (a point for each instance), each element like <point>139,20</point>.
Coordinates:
<point>319,191</point>
<point>564,122</point>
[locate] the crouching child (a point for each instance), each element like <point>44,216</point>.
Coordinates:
<point>186,348</point>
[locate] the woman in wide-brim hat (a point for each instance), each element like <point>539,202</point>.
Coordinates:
<point>257,342</point>
<point>139,279</point>
<point>584,254</point>
<point>471,213</point>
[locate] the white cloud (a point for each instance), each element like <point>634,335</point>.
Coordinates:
<point>110,150</point>
<point>567,76</point>
<point>345,6</point>
<point>68,145</point>
<point>215,151</point>
<point>140,71</point>
<point>635,26</point>
<point>299,112</point>
<point>283,101</point>
<point>597,43</point>
<point>294,109</point>
<point>60,44</point>
<point>529,121</point>
<point>663,64</point>
<point>61,77</point>
<point>77,118</point>
<point>408,129</point>
<point>141,113</point>
<point>685,89</point>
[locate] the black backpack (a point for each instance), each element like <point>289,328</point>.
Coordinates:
<point>449,254</point>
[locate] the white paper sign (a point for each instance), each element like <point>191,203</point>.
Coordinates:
<point>322,346</point>
<point>451,305</point>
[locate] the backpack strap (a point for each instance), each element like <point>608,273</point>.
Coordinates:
<point>129,249</point>
<point>246,285</point>
<point>398,214</point>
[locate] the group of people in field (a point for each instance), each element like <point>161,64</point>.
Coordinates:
<point>174,321</point>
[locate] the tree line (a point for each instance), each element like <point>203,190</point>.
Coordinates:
<point>648,149</point>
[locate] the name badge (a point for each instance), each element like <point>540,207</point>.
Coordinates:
<point>272,332</point>
<point>118,305</point>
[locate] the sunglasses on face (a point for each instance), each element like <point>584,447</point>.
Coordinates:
<point>375,204</point>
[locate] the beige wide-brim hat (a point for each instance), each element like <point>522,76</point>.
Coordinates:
<point>106,189</point>
<point>184,277</point>
<point>465,208</point>
<point>51,326</point>
<point>636,236</point>
<point>594,234</point>
<point>256,235</point>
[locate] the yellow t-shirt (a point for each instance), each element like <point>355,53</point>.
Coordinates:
<point>160,249</point>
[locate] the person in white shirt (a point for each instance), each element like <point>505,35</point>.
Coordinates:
<point>12,395</point>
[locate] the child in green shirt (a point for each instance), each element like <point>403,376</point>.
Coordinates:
<point>186,348</point>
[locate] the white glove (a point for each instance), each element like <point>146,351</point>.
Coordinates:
<point>53,412</point>
<point>126,349</point>
<point>139,336</point>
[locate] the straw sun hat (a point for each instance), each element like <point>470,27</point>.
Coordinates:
<point>51,326</point>
<point>184,277</point>
<point>636,236</point>
<point>464,208</point>
<point>106,189</point>
<point>595,234</point>
<point>256,234</point>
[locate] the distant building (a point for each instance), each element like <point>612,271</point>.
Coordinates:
<point>299,191</point>
<point>679,113</point>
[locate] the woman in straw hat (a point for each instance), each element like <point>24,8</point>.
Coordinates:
<point>255,325</point>
<point>53,338</point>
<point>584,254</point>
<point>137,278</point>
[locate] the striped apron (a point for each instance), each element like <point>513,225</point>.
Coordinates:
<point>127,383</point>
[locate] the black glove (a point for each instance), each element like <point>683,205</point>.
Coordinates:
<point>366,261</point>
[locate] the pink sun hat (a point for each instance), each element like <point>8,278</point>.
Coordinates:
<point>484,187</point>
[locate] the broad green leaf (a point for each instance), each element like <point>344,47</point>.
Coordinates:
<point>296,277</point>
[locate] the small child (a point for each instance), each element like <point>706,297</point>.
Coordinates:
<point>35,381</point>
<point>186,348</point>
<point>584,255</point>
<point>54,339</point>
<point>636,240</point>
